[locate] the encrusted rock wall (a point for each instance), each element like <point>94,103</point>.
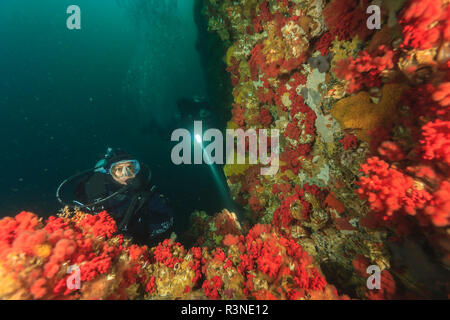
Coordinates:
<point>364,128</point>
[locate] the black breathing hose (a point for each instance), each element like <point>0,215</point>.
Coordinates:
<point>96,202</point>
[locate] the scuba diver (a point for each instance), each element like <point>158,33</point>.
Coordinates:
<point>121,185</point>
<point>195,108</point>
<point>189,110</point>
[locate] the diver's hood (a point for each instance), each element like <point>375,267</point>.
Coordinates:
<point>118,157</point>
<point>112,156</point>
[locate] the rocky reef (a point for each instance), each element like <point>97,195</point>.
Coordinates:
<point>39,260</point>
<point>363,117</point>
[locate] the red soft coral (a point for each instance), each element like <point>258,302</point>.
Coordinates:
<point>269,260</point>
<point>349,141</point>
<point>391,151</point>
<point>365,70</point>
<point>282,217</point>
<point>99,265</point>
<point>439,207</point>
<point>291,157</point>
<point>238,115</point>
<point>429,101</point>
<point>151,287</point>
<point>442,94</point>
<point>212,286</point>
<point>346,19</point>
<point>100,225</point>
<point>164,253</point>
<point>388,190</point>
<point>38,289</point>
<point>324,43</point>
<point>420,21</point>
<point>265,117</point>
<point>436,141</point>
<point>80,240</point>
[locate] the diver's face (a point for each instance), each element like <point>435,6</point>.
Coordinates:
<point>122,172</point>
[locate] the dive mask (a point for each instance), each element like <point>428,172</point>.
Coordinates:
<point>122,171</point>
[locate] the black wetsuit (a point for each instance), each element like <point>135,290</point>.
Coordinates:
<point>150,219</point>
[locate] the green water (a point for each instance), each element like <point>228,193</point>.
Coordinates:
<point>66,95</point>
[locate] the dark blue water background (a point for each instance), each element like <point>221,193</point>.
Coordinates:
<point>66,95</point>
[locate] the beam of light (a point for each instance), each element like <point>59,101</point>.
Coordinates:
<point>219,179</point>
